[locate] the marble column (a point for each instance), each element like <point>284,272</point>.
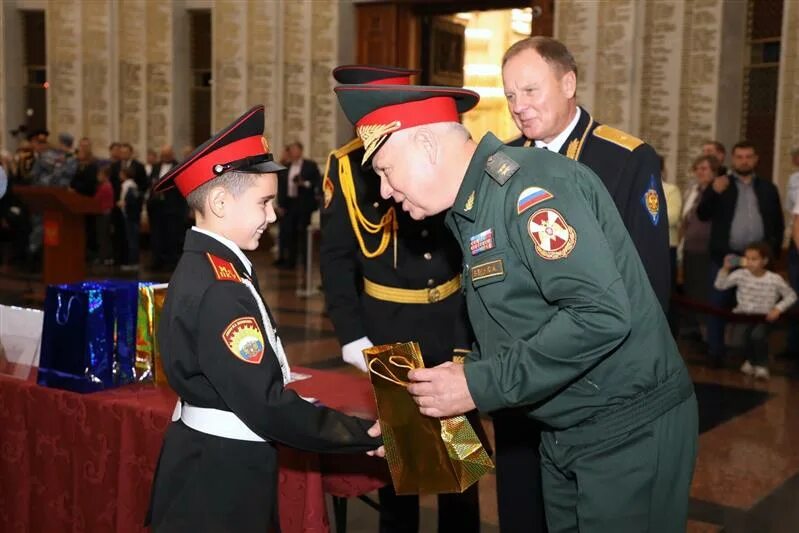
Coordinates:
<point>64,66</point>
<point>264,68</point>
<point>577,26</point>
<point>97,96</point>
<point>229,25</point>
<point>159,74</point>
<point>131,91</point>
<point>699,87</point>
<point>324,54</point>
<point>661,79</point>
<point>787,134</point>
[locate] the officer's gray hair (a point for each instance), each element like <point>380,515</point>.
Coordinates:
<point>233,182</point>
<point>551,50</point>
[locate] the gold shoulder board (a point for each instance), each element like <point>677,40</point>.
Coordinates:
<point>347,148</point>
<point>610,134</point>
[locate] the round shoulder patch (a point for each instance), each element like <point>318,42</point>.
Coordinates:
<point>244,339</point>
<point>551,234</point>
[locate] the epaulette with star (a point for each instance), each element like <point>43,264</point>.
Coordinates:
<point>617,137</point>
<point>501,167</point>
<point>223,269</point>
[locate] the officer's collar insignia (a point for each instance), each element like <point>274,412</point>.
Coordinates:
<point>223,269</point>
<point>651,201</point>
<point>573,149</point>
<point>482,242</point>
<point>374,135</point>
<point>501,167</point>
<point>327,189</point>
<point>551,234</point>
<point>469,203</point>
<point>532,196</point>
<point>244,339</point>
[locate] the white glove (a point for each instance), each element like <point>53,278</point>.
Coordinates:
<point>352,352</point>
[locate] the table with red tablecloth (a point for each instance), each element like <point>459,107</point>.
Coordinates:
<point>84,463</point>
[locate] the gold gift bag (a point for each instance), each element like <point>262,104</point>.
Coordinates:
<point>425,455</point>
<point>148,361</point>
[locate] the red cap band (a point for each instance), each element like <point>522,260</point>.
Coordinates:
<point>202,170</point>
<point>401,80</point>
<point>416,113</point>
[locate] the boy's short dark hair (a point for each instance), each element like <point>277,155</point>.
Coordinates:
<point>712,161</point>
<point>716,144</point>
<point>763,248</point>
<point>233,182</point>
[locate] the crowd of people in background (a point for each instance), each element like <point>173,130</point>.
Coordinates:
<point>722,214</point>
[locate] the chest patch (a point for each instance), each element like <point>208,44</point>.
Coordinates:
<point>244,340</point>
<point>532,196</point>
<point>223,270</point>
<point>482,242</point>
<point>488,270</point>
<point>651,201</point>
<point>552,236</point>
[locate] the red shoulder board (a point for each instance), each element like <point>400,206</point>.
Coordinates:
<point>224,270</point>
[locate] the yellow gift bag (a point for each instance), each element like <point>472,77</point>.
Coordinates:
<point>148,361</point>
<point>425,455</point>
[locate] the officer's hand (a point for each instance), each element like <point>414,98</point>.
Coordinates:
<point>374,431</point>
<point>721,183</point>
<point>441,391</point>
<point>773,315</point>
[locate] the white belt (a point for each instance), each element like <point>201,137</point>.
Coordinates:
<point>214,422</point>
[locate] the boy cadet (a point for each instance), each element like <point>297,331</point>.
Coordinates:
<point>565,319</point>
<point>222,355</point>
<point>388,278</point>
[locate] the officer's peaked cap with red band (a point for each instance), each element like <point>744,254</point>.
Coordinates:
<point>240,147</point>
<point>377,110</point>
<point>373,74</point>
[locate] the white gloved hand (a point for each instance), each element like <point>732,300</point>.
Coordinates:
<point>352,352</point>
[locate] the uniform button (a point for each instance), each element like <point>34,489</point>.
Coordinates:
<point>428,256</point>
<point>425,233</point>
<point>376,205</point>
<point>431,282</point>
<point>490,158</point>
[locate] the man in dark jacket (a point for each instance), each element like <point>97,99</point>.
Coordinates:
<point>297,199</point>
<point>742,208</point>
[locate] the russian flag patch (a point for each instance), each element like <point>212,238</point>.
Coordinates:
<point>532,196</point>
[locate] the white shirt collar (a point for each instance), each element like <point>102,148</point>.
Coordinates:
<point>558,141</point>
<point>230,244</point>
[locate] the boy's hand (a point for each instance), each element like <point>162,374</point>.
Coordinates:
<point>773,315</point>
<point>728,262</point>
<point>374,431</point>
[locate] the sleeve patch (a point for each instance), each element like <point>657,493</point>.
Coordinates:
<point>651,201</point>
<point>244,340</point>
<point>618,137</point>
<point>328,189</point>
<point>532,196</point>
<point>551,234</point>
<point>223,270</point>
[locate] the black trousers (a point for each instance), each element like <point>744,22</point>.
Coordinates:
<point>520,500</point>
<point>293,228</point>
<point>457,513</point>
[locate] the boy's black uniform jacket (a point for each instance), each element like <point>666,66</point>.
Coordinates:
<point>214,484</point>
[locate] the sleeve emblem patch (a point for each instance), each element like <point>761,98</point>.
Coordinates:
<point>532,196</point>
<point>328,189</point>
<point>651,201</point>
<point>244,340</point>
<point>223,270</point>
<point>551,234</point>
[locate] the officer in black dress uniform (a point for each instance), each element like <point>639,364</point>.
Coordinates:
<point>388,278</point>
<point>630,170</point>
<point>218,468</point>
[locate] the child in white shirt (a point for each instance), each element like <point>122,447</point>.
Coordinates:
<point>760,292</point>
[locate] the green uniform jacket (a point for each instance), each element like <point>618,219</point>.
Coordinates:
<point>565,319</point>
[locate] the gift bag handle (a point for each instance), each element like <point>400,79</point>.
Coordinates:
<point>58,314</point>
<point>395,360</point>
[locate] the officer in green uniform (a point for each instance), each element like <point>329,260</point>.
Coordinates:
<point>566,322</point>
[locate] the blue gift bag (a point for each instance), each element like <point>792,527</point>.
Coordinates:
<point>89,335</point>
